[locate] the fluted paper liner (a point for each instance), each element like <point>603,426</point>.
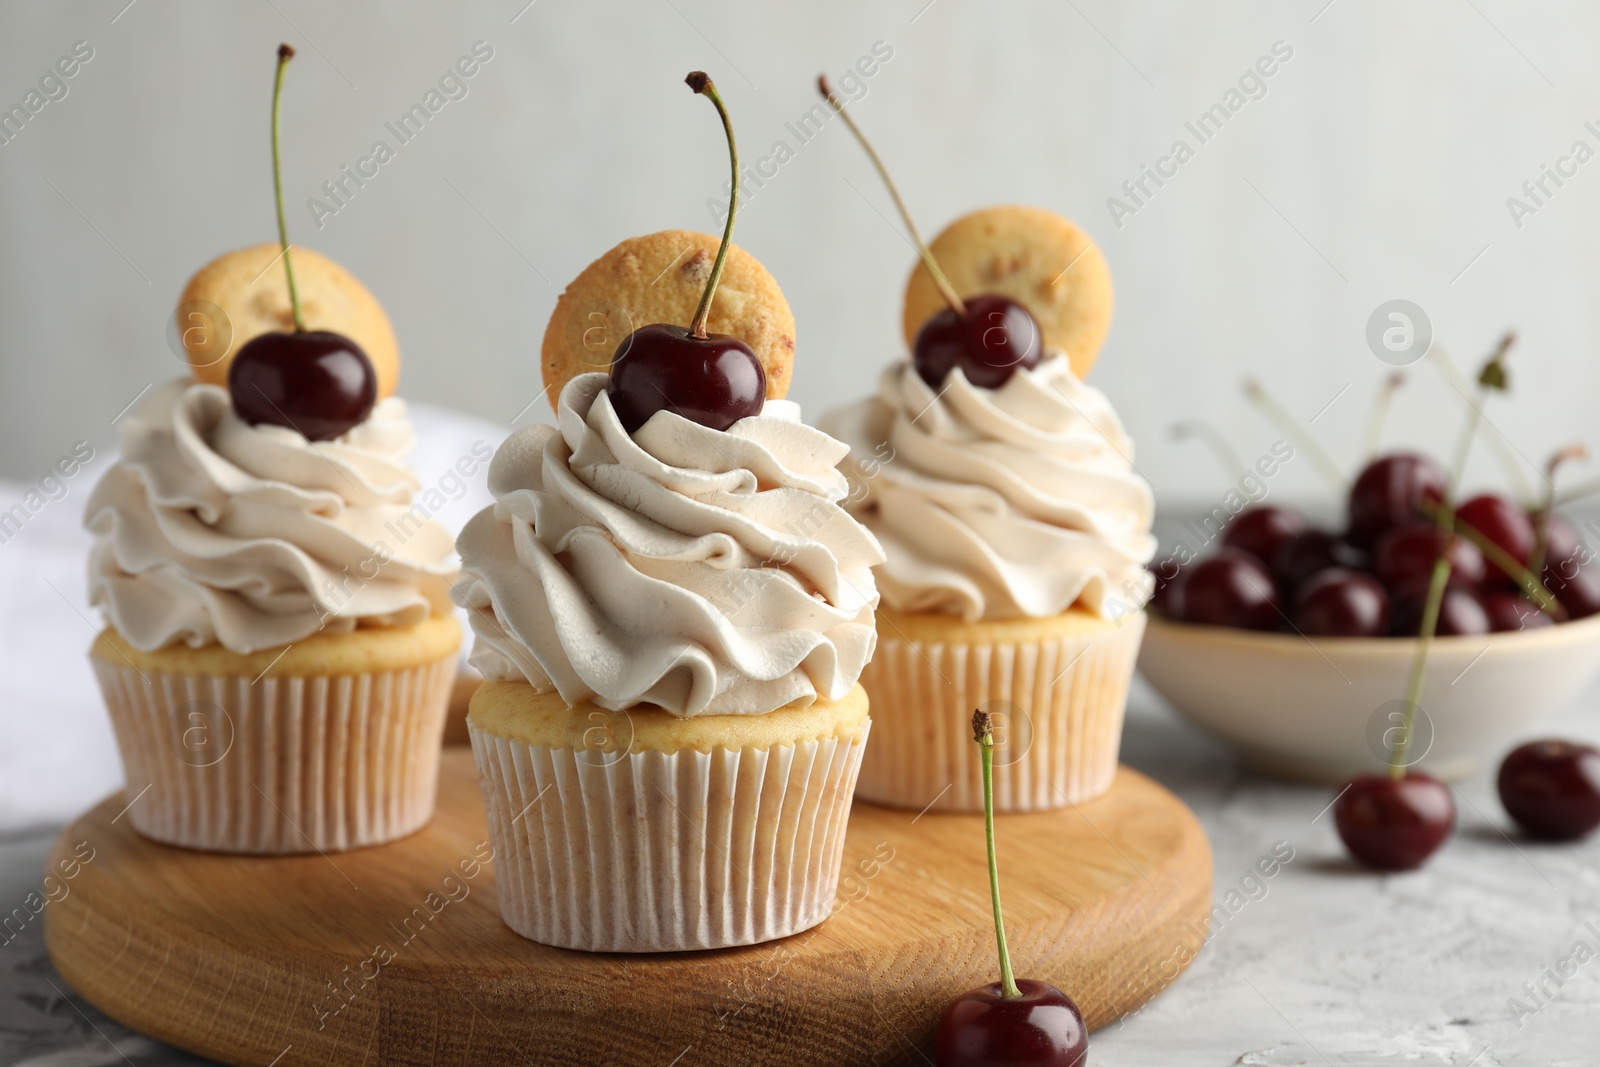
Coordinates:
<point>656,852</point>
<point>279,765</point>
<point>1058,705</point>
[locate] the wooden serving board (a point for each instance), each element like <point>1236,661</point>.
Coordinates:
<point>397,955</point>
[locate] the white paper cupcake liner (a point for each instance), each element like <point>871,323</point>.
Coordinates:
<point>279,765</point>
<point>656,852</point>
<point>1058,706</point>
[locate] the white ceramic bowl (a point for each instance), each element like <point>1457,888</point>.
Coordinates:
<point>1321,709</point>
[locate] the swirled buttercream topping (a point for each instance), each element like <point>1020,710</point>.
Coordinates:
<point>702,571</point>
<point>1014,502</point>
<point>211,530</point>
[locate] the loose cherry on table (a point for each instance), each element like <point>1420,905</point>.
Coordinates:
<point>1500,520</point>
<point>1552,788</point>
<point>1015,1021</point>
<point>990,337</point>
<point>315,381</point>
<point>1263,531</point>
<point>1394,824</point>
<point>1389,491</point>
<point>1231,588</point>
<point>1407,553</point>
<point>1342,603</point>
<point>713,379</point>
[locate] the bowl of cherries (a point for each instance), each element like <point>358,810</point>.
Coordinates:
<point>1297,644</point>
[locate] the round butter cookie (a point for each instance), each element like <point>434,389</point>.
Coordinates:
<point>659,278</point>
<point>249,288</point>
<point>1036,258</point>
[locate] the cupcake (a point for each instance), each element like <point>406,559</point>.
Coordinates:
<point>671,610</point>
<point>280,641</point>
<point>1016,530</point>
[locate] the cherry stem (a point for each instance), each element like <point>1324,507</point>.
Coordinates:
<point>1509,463</point>
<point>1291,426</point>
<point>701,83</point>
<point>983,733</point>
<point>946,290</point>
<point>1491,378</point>
<point>1430,623</point>
<point>1380,412</point>
<point>1541,517</point>
<point>1523,576</point>
<point>1214,440</point>
<point>285,53</point>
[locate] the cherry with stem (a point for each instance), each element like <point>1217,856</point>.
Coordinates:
<point>1012,1021</point>
<point>1395,822</point>
<point>989,336</point>
<point>316,382</point>
<point>712,379</point>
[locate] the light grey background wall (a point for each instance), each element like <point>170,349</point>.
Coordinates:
<point>1376,163</point>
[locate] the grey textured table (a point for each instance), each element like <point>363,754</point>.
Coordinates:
<point>1323,963</point>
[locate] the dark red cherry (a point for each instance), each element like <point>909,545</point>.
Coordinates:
<point>1389,491</point>
<point>1460,611</point>
<point>714,380</point>
<point>1311,552</point>
<point>1552,788</point>
<point>1562,540</point>
<point>1407,553</point>
<point>1231,588</point>
<point>1166,598</point>
<point>1503,522</point>
<point>1577,586</point>
<point>994,338</point>
<point>1262,531</point>
<point>1342,603</point>
<point>1513,611</point>
<point>318,382</point>
<point>981,1028</point>
<point>1394,824</point>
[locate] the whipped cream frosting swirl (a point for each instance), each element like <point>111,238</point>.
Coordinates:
<point>211,530</point>
<point>702,571</point>
<point>1014,502</point>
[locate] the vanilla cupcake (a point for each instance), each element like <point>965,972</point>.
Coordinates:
<point>672,624</point>
<point>280,642</point>
<point>1015,528</point>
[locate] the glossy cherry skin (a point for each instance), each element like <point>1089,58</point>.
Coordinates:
<point>1342,603</point>
<point>1042,1027</point>
<point>989,343</point>
<point>1309,553</point>
<point>1552,788</point>
<point>1389,491</point>
<point>1231,588</point>
<point>1408,553</point>
<point>1503,522</point>
<point>714,380</point>
<point>1394,824</point>
<point>1576,586</point>
<point>319,382</point>
<point>1262,531</point>
<point>1513,611</point>
<point>1460,611</point>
